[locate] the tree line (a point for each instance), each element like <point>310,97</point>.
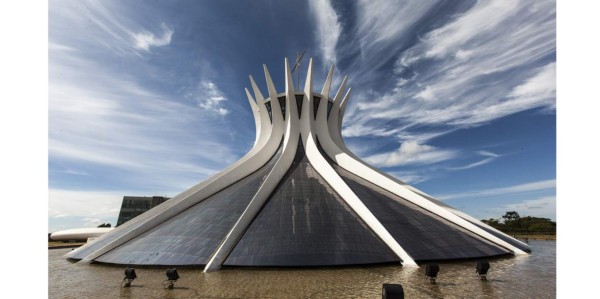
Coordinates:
<point>513,223</point>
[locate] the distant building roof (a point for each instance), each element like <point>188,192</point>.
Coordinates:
<point>134,206</point>
<point>79,234</point>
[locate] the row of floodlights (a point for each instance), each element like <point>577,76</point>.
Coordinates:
<point>395,291</point>
<point>431,270</point>
<point>389,290</point>
<point>172,277</point>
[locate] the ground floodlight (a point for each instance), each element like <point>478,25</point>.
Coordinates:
<point>482,269</point>
<point>392,291</point>
<point>129,276</point>
<point>431,272</point>
<point>172,277</point>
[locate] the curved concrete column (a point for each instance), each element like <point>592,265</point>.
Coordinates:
<point>290,145</point>
<point>333,121</point>
<point>265,121</point>
<point>309,127</point>
<point>256,114</point>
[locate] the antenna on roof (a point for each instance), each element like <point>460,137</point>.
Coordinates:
<point>297,65</point>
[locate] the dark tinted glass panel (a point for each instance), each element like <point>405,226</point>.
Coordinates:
<point>282,104</point>
<point>424,235</point>
<point>299,101</point>
<point>268,105</point>
<point>316,101</point>
<point>305,223</point>
<point>329,106</point>
<point>191,237</point>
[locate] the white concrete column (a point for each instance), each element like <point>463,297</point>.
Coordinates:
<point>290,145</point>
<point>309,127</point>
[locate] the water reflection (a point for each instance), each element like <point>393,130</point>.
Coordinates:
<point>508,278</point>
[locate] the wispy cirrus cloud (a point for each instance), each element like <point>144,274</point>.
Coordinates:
<point>540,207</point>
<point>382,27</point>
<point>489,158</point>
<point>104,128</point>
<point>410,177</point>
<point>209,97</point>
<point>377,31</point>
<point>113,124</point>
<point>83,208</point>
<point>328,28</point>
<point>494,59</point>
<point>411,152</point>
<point>528,187</point>
<point>544,207</point>
<point>91,203</point>
<point>144,40</point>
<point>106,26</point>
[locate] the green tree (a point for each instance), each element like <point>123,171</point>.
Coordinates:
<point>514,223</point>
<point>511,216</point>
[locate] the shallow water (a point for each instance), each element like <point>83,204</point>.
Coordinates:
<point>531,276</point>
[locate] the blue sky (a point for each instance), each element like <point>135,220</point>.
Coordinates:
<point>147,98</point>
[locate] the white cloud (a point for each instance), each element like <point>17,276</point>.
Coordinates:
<point>474,164</point>
<point>102,25</point>
<point>483,64</point>
<point>92,119</point>
<point>487,154</point>
<point>92,222</point>
<point>409,177</point>
<point>537,86</point>
<point>490,157</point>
<point>84,204</point>
<point>144,40</point>
<point>380,30</point>
<point>328,28</point>
<point>486,16</point>
<point>210,97</point>
<point>381,21</point>
<point>74,172</point>
<point>102,119</point>
<point>541,207</point>
<point>109,126</point>
<point>537,91</point>
<point>411,152</point>
<point>527,187</point>
<point>77,208</point>
<point>544,207</point>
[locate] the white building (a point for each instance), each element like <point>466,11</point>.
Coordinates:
<point>299,197</point>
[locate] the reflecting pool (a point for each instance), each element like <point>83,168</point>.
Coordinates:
<point>530,276</point>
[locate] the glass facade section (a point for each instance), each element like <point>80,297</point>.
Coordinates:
<point>282,105</point>
<point>424,235</point>
<point>299,101</point>
<point>306,223</point>
<point>316,101</point>
<point>268,105</point>
<point>190,237</point>
<point>329,106</point>
<point>134,206</point>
